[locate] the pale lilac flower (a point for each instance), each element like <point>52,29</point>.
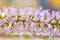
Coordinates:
<point>37,15</point>
<point>12,20</point>
<point>40,31</point>
<point>50,30</point>
<point>58,15</point>
<point>53,14</point>
<point>42,25</point>
<point>10,15</point>
<point>1,22</point>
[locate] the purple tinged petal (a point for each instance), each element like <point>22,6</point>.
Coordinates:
<point>57,15</point>
<point>8,16</point>
<point>1,22</point>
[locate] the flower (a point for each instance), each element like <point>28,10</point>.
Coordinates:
<point>30,20</point>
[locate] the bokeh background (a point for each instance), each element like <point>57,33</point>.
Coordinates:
<point>19,3</point>
<point>29,3</point>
